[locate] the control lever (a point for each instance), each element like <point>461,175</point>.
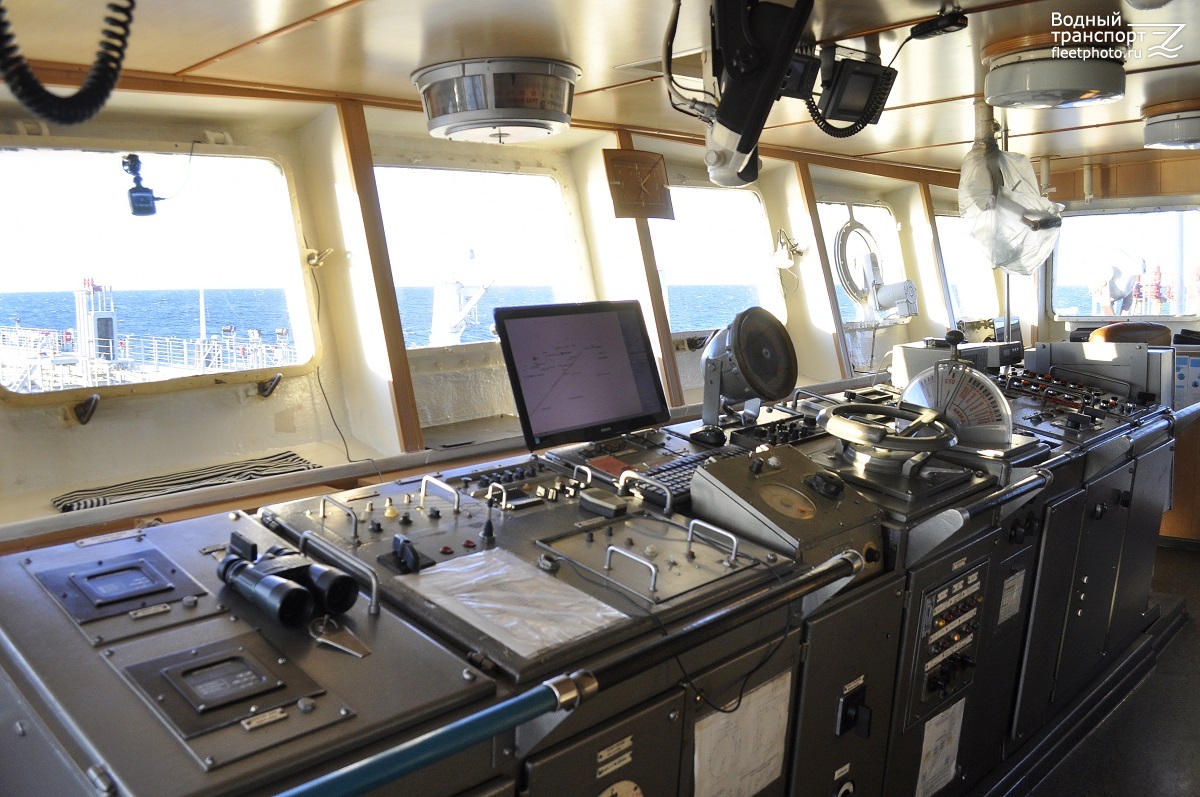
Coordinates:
<point>954,337</point>
<point>406,553</point>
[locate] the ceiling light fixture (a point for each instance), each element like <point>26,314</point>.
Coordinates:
<point>1172,125</point>
<point>1030,72</point>
<point>497,100</point>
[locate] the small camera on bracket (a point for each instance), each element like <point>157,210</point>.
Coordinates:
<point>141,198</point>
<point>284,583</point>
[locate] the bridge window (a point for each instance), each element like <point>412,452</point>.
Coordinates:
<point>967,272</point>
<point>714,258</point>
<point>95,296</point>
<point>863,248</point>
<point>1127,264</point>
<point>465,242</point>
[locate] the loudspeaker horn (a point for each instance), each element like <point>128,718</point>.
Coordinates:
<point>753,360</point>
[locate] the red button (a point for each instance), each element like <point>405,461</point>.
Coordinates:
<point>446,549</point>
<point>468,543</point>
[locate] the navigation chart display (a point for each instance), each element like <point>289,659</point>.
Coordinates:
<point>580,372</point>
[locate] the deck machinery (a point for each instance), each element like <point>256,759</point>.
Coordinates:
<point>1003,588</point>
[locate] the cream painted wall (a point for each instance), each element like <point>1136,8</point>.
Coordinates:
<point>810,318</point>
<point>355,374</point>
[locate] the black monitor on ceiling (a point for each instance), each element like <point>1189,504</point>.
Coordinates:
<point>580,372</point>
<point>854,86</point>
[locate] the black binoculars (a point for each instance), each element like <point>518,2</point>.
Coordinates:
<point>283,582</point>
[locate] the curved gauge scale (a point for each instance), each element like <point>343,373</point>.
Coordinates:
<point>626,788</point>
<point>968,398</point>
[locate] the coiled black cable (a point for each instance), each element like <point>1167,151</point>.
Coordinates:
<point>97,85</point>
<point>878,99</point>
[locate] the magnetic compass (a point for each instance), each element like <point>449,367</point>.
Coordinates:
<point>964,395</point>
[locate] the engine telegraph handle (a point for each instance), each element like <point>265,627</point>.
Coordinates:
<point>837,421</point>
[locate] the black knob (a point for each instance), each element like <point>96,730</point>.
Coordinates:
<point>434,513</point>
<point>1099,511</point>
<point>955,336</point>
<point>405,519</point>
<point>489,531</point>
<point>935,684</point>
<point>375,527</point>
<point>829,485</point>
<point>756,465</point>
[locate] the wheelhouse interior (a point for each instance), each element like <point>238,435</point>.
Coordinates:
<point>257,259</point>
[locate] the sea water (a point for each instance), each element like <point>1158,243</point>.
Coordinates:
<point>176,314</point>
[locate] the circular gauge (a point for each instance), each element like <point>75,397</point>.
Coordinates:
<point>966,396</point>
<point>626,788</point>
<point>787,501</point>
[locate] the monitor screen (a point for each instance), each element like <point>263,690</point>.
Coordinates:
<point>580,372</point>
<point>999,332</point>
<point>854,85</point>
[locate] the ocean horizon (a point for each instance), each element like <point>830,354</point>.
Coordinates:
<point>176,313</point>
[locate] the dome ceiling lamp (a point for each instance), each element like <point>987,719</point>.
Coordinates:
<point>1031,72</point>
<point>497,100</point>
<point>1172,125</point>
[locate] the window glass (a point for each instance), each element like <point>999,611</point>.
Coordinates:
<point>967,271</point>
<point>93,295</point>
<point>465,242</point>
<point>714,258</point>
<point>1127,264</point>
<point>852,233</point>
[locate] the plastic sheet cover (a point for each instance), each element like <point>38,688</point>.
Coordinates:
<point>999,199</point>
<point>515,603</point>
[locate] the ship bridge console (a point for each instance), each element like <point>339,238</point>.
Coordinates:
<point>859,589</point>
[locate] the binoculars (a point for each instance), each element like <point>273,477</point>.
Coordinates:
<point>284,583</point>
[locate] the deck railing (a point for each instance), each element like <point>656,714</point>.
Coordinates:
<point>36,360</point>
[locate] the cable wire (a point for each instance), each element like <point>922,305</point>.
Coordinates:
<point>321,385</point>
<point>97,84</point>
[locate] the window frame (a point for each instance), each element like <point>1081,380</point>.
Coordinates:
<point>181,383</point>
<point>388,152</point>
<point>855,325</point>
<point>953,312</point>
<point>1113,207</point>
<point>780,303</point>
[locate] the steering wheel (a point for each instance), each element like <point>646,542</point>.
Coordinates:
<point>836,420</point>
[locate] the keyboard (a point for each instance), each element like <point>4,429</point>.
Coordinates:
<point>677,474</point>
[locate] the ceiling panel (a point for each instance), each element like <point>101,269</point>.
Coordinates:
<point>167,35</point>
<point>375,46</point>
<point>371,47</point>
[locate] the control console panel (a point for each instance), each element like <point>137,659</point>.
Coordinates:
<point>950,618</point>
<point>1069,410</point>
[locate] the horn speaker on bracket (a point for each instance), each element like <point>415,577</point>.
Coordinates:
<point>750,360</point>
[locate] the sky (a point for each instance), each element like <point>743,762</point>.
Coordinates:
<point>65,217</point>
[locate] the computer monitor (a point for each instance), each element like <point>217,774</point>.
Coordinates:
<point>855,85</point>
<point>998,331</point>
<point>580,372</point>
